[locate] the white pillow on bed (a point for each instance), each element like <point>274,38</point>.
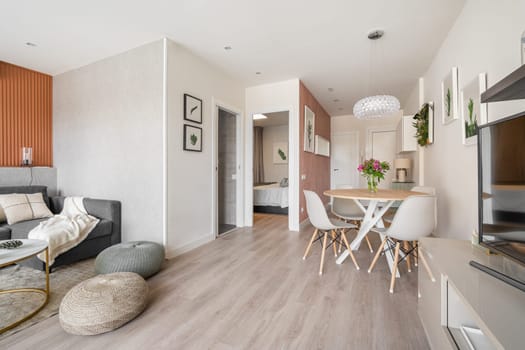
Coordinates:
<point>21,207</point>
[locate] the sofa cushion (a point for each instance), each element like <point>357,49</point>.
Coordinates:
<point>21,229</point>
<point>5,232</point>
<point>21,206</point>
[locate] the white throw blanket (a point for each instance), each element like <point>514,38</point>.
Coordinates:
<point>65,230</point>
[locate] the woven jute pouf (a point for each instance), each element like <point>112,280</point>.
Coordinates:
<point>103,303</point>
<point>142,257</point>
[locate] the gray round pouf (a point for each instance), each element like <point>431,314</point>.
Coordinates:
<point>103,303</point>
<point>144,258</point>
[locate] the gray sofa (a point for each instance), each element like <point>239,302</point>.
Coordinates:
<point>105,234</point>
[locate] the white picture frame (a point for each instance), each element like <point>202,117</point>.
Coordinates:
<point>309,130</point>
<point>449,97</point>
<point>280,153</point>
<point>472,117</point>
<point>322,146</point>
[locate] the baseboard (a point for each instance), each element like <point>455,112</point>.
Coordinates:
<point>173,252</point>
<point>303,224</point>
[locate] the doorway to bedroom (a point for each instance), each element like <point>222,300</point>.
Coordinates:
<point>270,164</point>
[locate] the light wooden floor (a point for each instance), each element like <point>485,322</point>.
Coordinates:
<point>251,290</point>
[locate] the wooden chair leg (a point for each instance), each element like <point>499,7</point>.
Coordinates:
<point>394,268</point>
<point>341,242</point>
<point>322,253</point>
<point>369,244</point>
<point>406,246</point>
<point>379,250</point>
<point>424,261</point>
<point>334,243</point>
<point>310,244</point>
<point>349,249</point>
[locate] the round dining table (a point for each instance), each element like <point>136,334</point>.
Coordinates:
<point>373,212</point>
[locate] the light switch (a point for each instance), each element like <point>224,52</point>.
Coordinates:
<point>303,177</point>
<point>234,176</point>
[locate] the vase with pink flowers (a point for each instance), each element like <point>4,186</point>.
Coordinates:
<point>374,171</point>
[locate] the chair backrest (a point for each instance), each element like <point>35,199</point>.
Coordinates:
<point>425,189</point>
<point>414,219</point>
<point>316,211</point>
<point>346,207</point>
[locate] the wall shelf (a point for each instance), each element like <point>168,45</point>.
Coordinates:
<point>512,87</point>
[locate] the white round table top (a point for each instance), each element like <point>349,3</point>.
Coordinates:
<point>29,248</point>
<point>365,194</point>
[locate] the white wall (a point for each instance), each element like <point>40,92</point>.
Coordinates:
<point>107,128</point>
<point>346,123</point>
<point>484,38</point>
<point>272,134</point>
<point>267,98</point>
<point>191,174</point>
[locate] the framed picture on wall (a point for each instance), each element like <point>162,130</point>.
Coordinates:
<point>449,96</point>
<point>192,138</point>
<point>280,153</point>
<point>309,130</point>
<point>192,109</point>
<point>473,112</point>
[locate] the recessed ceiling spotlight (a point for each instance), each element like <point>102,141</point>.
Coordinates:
<point>259,116</point>
<point>30,44</point>
<point>336,100</point>
<point>331,89</point>
<point>258,73</point>
<point>227,48</point>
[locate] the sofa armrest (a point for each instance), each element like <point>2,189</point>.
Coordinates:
<point>100,208</point>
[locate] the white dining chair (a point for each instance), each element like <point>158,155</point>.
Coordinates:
<point>348,211</point>
<point>324,225</point>
<point>414,219</point>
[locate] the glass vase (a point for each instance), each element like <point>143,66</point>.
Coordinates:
<point>372,184</point>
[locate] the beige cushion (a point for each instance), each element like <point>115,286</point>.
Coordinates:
<point>21,207</point>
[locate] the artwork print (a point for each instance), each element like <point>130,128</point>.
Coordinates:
<point>309,130</point>
<point>473,112</point>
<point>192,138</point>
<point>449,97</point>
<point>192,109</point>
<point>280,153</point>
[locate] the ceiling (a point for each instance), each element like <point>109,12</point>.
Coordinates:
<point>323,43</point>
<point>274,119</point>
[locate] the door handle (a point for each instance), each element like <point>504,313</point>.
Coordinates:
<point>336,169</point>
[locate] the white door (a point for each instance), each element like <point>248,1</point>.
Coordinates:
<point>382,146</point>
<point>345,159</point>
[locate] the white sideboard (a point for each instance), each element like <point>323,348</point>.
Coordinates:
<point>462,295</point>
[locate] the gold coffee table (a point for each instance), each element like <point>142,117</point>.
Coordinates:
<point>28,249</point>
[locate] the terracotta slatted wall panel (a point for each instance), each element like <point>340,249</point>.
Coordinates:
<point>316,167</point>
<point>25,115</point>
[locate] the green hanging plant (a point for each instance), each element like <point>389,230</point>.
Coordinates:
<point>421,123</point>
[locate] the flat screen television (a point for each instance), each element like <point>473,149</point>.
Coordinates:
<point>501,182</point>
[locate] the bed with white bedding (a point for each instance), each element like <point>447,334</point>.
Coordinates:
<point>270,198</point>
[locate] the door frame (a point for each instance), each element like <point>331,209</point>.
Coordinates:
<point>343,133</point>
<point>293,166</point>
<point>239,140</point>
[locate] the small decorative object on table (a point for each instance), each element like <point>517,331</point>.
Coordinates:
<point>12,244</point>
<point>374,171</point>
